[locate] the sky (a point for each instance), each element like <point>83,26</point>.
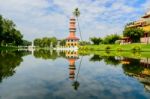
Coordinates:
<point>48,18</point>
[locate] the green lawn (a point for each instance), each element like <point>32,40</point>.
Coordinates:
<point>117,47</point>
<point>128,54</point>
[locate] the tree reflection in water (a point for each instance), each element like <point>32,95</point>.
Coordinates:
<point>95,58</point>
<point>110,60</point>
<point>9,61</point>
<point>76,83</point>
<point>132,67</point>
<point>71,56</point>
<point>48,54</point>
<point>136,68</point>
<point>139,70</point>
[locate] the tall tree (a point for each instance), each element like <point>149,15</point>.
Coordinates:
<point>8,32</point>
<point>77,14</point>
<point>96,41</point>
<point>110,39</point>
<point>134,33</point>
<point>1,28</point>
<point>63,42</point>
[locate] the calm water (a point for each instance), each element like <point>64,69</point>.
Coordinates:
<point>67,75</point>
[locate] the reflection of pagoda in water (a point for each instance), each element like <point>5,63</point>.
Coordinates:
<point>72,56</point>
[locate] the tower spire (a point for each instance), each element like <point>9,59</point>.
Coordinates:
<point>72,40</point>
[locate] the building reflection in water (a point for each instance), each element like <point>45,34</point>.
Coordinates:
<point>72,56</point>
<point>145,62</point>
<point>135,68</point>
<point>138,69</point>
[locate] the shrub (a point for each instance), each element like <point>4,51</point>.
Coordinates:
<point>136,48</point>
<point>107,48</point>
<point>119,49</point>
<point>110,39</point>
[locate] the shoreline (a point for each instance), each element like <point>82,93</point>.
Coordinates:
<point>135,47</point>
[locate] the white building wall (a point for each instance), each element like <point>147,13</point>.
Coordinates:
<point>145,40</point>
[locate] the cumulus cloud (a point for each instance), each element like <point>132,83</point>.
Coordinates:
<point>39,18</point>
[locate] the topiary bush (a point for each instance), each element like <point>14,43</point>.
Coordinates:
<point>107,48</point>
<point>119,49</point>
<point>136,48</point>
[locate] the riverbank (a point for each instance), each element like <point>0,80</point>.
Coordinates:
<point>117,47</point>
<point>8,48</point>
<point>135,55</point>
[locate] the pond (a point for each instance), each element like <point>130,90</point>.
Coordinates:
<point>47,74</point>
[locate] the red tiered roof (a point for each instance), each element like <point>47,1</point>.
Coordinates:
<point>72,29</point>
<point>72,38</point>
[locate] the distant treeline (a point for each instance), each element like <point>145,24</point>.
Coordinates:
<point>9,35</point>
<point>53,42</point>
<point>48,42</point>
<point>109,39</point>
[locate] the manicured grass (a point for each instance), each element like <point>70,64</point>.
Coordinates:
<point>128,54</point>
<point>117,47</point>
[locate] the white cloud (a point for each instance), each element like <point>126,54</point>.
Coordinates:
<point>39,18</point>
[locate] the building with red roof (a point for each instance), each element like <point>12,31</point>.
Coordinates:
<point>72,40</point>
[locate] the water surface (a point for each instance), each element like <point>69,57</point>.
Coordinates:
<point>68,75</point>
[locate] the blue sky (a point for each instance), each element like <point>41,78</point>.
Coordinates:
<point>47,18</point>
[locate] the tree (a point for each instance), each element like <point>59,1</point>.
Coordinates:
<point>26,43</point>
<point>45,42</point>
<point>96,41</point>
<point>130,23</point>
<point>110,39</point>
<point>63,42</point>
<point>37,42</point>
<point>54,41</point>
<point>77,14</point>
<point>1,27</point>
<point>84,43</point>
<point>134,33</point>
<point>8,32</point>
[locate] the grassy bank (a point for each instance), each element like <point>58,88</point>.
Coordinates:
<point>8,48</point>
<point>117,47</point>
<point>128,54</point>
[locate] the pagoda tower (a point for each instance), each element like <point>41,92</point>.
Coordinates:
<point>72,40</point>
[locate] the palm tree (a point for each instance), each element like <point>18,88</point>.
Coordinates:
<point>76,13</point>
<point>76,84</point>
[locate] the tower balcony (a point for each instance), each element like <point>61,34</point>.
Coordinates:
<point>72,19</point>
<point>72,30</point>
<point>72,22</point>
